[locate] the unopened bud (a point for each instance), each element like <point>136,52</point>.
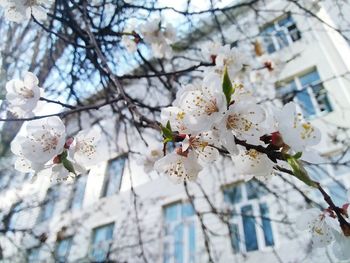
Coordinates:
<point>57,159</point>
<point>276,139</point>
<point>213,59</point>
<point>68,143</point>
<point>269,65</point>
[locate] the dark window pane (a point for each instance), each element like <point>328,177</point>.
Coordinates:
<point>251,242</point>
<point>322,98</point>
<point>62,249</point>
<point>305,103</point>
<point>178,236</point>
<point>101,242</point>
<point>192,242</point>
<point>187,210</point>
<point>233,195</point>
<point>113,178</point>
<point>266,225</point>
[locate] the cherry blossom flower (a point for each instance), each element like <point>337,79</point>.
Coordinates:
<point>23,95</point>
<point>201,144</point>
<point>203,105</point>
<point>296,133</point>
<point>316,223</point>
<point>21,163</point>
<point>19,11</point>
<point>44,139</point>
<point>176,117</point>
<point>149,159</point>
<point>179,167</point>
<point>159,37</point>
<point>234,59</point>
<point>242,120</point>
<point>86,148</point>
<point>252,163</point>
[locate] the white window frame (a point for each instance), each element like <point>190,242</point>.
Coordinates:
<point>310,92</point>
<point>278,28</point>
<point>238,220</point>
<point>169,239</point>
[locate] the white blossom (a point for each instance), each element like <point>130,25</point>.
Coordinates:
<point>296,133</point>
<point>179,167</point>
<point>242,120</point>
<point>23,95</point>
<point>159,37</point>
<point>19,10</point>
<point>315,222</point>
<point>44,139</point>
<point>201,144</point>
<point>252,163</point>
<point>149,159</point>
<point>176,117</point>
<point>203,105</point>
<point>86,148</point>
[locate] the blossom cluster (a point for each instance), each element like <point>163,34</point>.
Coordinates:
<point>325,230</point>
<point>19,10</point>
<point>154,33</point>
<point>44,143</point>
<point>215,113</point>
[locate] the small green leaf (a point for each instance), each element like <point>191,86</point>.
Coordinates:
<point>227,87</point>
<point>68,165</point>
<point>167,132</point>
<point>297,155</point>
<point>300,172</point>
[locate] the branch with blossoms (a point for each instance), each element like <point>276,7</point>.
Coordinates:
<point>218,114</point>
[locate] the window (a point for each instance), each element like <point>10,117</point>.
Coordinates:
<point>180,236</point>
<point>78,192</point>
<point>113,177</point>
<point>250,225</point>
<point>101,242</point>
<point>62,249</point>
<point>33,255</point>
<point>308,92</point>
<point>48,205</point>
<point>279,34</point>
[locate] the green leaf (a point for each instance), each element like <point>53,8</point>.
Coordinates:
<point>227,87</point>
<point>68,165</point>
<point>300,172</point>
<point>297,155</point>
<point>167,132</point>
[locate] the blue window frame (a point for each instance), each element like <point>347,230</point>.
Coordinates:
<point>180,234</point>
<point>78,192</point>
<point>280,33</point>
<point>48,205</point>
<point>308,92</point>
<point>252,219</point>
<point>62,249</point>
<point>101,242</point>
<point>113,177</point>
